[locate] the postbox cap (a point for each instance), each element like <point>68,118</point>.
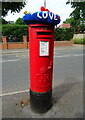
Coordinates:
<point>44,16</point>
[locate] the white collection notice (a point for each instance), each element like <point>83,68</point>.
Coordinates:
<point>44,48</point>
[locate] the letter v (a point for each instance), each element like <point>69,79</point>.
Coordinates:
<point>51,16</point>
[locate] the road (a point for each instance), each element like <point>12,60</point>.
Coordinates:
<point>68,67</point>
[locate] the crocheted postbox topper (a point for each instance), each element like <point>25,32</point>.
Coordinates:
<point>44,16</point>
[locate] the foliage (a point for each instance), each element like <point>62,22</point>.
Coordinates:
<point>81,28</point>
<point>79,40</point>
<point>78,14</point>
<point>4,21</point>
<point>19,21</point>
<point>14,32</point>
<point>62,34</point>
<point>69,20</point>
<point>79,11</point>
<point>11,6</point>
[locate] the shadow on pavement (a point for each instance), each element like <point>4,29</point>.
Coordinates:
<point>60,91</point>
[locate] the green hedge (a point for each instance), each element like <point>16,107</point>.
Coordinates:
<point>17,31</point>
<point>22,30</point>
<point>79,40</point>
<point>62,34</point>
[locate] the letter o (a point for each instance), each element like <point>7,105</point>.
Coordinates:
<point>45,14</point>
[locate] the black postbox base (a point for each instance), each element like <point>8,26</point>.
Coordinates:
<point>40,102</point>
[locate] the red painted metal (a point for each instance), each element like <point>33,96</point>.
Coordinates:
<point>41,66</point>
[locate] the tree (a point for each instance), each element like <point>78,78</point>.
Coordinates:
<point>19,21</point>
<point>69,20</point>
<point>78,14</point>
<point>4,21</point>
<point>11,6</point>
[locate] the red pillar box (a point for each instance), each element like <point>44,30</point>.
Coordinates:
<point>41,40</point>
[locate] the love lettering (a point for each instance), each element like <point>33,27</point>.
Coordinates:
<point>46,14</point>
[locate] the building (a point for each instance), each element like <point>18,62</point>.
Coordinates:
<point>65,25</point>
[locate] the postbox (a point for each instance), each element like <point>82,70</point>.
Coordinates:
<point>41,42</point>
<point>41,38</point>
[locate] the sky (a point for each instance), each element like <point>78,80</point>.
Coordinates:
<point>56,6</point>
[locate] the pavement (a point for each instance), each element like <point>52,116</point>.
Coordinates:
<point>67,94</point>
<point>67,103</point>
<point>11,51</point>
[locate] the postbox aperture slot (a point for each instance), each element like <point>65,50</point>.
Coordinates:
<point>43,33</point>
<point>44,48</point>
